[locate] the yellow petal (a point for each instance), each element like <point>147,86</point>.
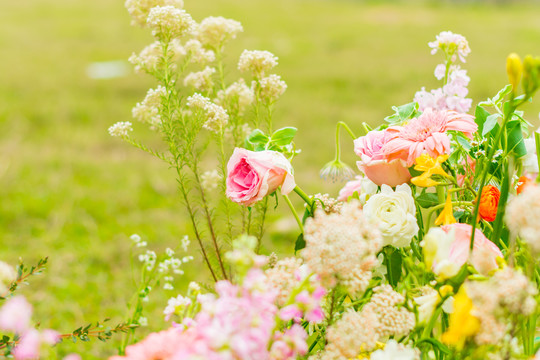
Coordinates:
<point>446,216</point>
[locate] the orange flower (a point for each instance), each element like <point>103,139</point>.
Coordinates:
<point>489,201</point>
<point>523,182</point>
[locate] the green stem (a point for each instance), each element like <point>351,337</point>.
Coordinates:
<point>338,128</point>
<point>304,196</point>
<point>295,214</point>
<point>537,142</point>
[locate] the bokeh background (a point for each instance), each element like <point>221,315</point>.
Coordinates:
<point>71,192</point>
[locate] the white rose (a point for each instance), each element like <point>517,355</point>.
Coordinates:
<point>395,214</point>
<point>530,161</point>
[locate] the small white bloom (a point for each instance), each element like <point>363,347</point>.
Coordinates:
<point>271,88</point>
<point>135,238</point>
<point>436,245</point>
<point>143,321</point>
<point>394,213</point>
<point>185,243</point>
<point>169,252</point>
<point>168,286</point>
<point>120,129</point>
<point>201,80</point>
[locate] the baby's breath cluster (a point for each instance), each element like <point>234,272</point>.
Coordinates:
<point>282,276</point>
<point>201,80</point>
<point>169,22</point>
<point>139,9</point>
<point>271,88</point>
<point>214,32</point>
<point>238,97</point>
<point>120,129</point>
<point>149,110</point>
<point>215,117</point>
<point>152,58</point>
<point>257,62</point>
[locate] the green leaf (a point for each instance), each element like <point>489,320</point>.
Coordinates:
<point>284,136</point>
<point>490,123</point>
<point>502,94</point>
<point>402,113</point>
<point>463,141</point>
<point>393,266</point>
<point>480,116</point>
<point>257,137</point>
<point>515,138</point>
<point>406,111</point>
<point>300,243</point>
<point>427,200</point>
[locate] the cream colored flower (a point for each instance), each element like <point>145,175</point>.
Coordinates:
<point>395,214</point>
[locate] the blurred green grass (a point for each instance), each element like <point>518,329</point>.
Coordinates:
<point>69,191</point>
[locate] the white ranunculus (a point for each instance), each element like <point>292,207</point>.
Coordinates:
<point>395,214</point>
<point>530,161</point>
<point>395,351</point>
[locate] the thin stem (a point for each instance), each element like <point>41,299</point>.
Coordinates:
<point>304,196</point>
<point>261,229</point>
<point>295,214</point>
<point>209,220</point>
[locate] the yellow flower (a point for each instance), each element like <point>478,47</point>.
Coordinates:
<point>462,323</point>
<point>514,69</point>
<point>429,166</point>
<point>446,216</point>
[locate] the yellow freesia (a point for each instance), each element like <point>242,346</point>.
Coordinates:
<point>429,166</point>
<point>462,323</point>
<point>446,216</point>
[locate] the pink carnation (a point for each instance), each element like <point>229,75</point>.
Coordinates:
<point>253,175</point>
<point>427,133</point>
<point>374,163</point>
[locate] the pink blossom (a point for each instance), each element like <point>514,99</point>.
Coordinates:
<point>160,345</point>
<point>28,347</point>
<point>427,133</point>
<point>290,312</point>
<point>485,253</point>
<point>361,185</point>
<point>447,41</point>
<point>470,166</point>
<point>253,175</point>
<point>375,164</point>
<point>72,357</point>
<point>15,315</point>
<point>290,344</point>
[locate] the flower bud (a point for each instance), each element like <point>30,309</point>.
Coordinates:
<point>514,68</point>
<point>528,75</point>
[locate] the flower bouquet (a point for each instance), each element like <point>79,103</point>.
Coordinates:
<point>429,252</point>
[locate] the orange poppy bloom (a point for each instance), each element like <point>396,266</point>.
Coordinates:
<point>489,201</point>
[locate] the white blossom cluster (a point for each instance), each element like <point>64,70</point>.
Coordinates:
<point>169,22</point>
<point>201,80</point>
<point>120,129</point>
<point>139,9</point>
<point>358,332</point>
<point>271,88</point>
<point>216,116</point>
<point>210,180</point>
<point>148,111</point>
<point>237,97</point>
<point>198,53</point>
<point>522,214</point>
<point>258,62</point>
<point>152,58</point>
<point>214,32</point>
<point>342,248</point>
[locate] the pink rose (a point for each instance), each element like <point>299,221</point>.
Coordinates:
<point>373,162</point>
<point>485,253</point>
<point>253,175</point>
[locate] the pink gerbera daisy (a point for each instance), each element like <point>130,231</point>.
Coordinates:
<point>427,133</point>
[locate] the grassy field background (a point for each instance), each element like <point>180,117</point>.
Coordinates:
<point>69,191</point>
